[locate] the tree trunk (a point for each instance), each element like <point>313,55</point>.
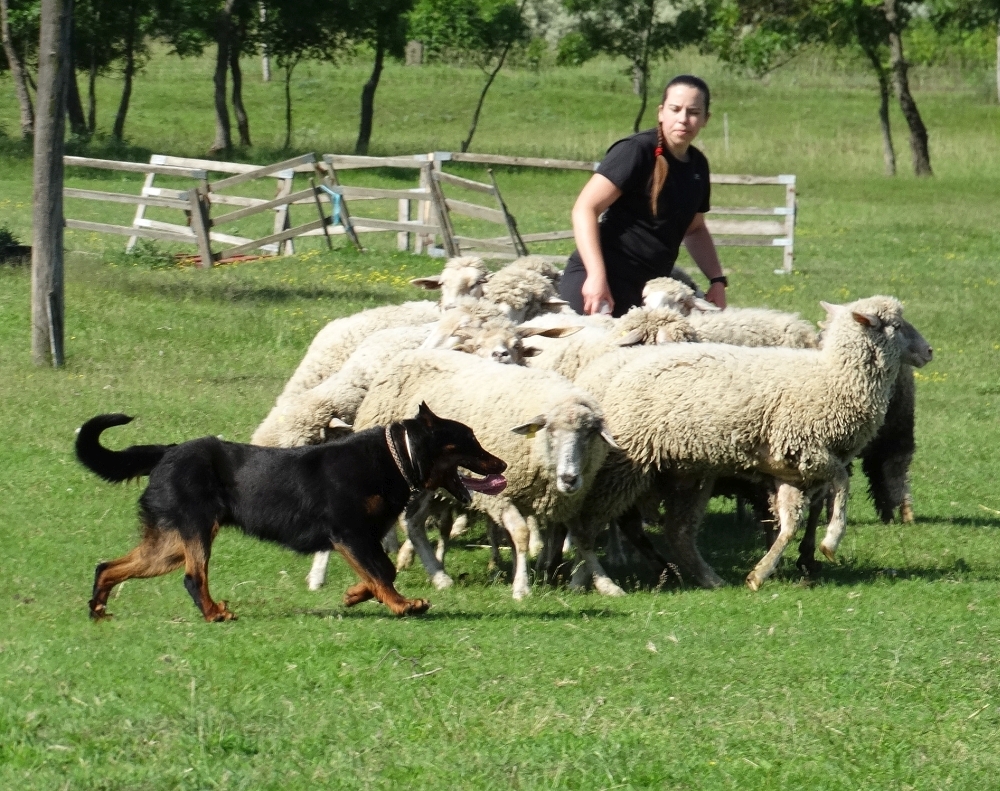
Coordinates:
<point>901,82</point>
<point>223,30</point>
<point>18,75</point>
<point>242,122</point>
<point>998,58</point>
<point>888,150</point>
<point>47,198</point>
<point>482,97</point>
<point>265,56</point>
<point>645,96</point>
<point>288,104</point>
<point>92,94</point>
<point>74,106</point>
<point>368,101</point>
<point>118,132</point>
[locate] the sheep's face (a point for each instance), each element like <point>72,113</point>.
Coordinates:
<point>882,318</point>
<point>665,292</point>
<point>574,442</point>
<point>462,277</point>
<point>916,350</point>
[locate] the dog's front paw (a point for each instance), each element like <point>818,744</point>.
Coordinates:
<point>415,607</point>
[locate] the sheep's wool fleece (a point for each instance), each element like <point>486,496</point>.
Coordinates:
<point>337,341</point>
<point>492,399</point>
<point>755,327</point>
<point>783,412</point>
<point>521,290</point>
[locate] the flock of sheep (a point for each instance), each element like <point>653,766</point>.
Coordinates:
<point>619,423</point>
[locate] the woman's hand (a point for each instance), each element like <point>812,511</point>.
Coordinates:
<point>596,294</point>
<point>717,295</point>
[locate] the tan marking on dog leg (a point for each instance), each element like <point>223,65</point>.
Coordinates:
<point>196,556</point>
<point>159,552</point>
<point>357,594</point>
<point>789,502</point>
<point>374,504</point>
<point>383,589</point>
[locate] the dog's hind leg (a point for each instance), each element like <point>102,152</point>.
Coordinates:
<point>197,550</point>
<point>159,552</point>
<point>377,574</point>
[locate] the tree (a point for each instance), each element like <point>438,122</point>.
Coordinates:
<point>480,31</point>
<point>19,26</point>
<point>763,34</point>
<point>968,16</point>
<point>641,31</point>
<point>382,24</point>
<point>297,30</point>
<point>47,215</point>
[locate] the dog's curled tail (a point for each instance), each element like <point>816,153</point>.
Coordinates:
<point>114,465</point>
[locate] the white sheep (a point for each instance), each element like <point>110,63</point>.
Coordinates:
<point>463,276</point>
<point>549,432</point>
<point>523,294</point>
<point>795,415</point>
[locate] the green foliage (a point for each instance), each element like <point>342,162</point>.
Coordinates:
<point>951,44</point>
<point>467,31</point>
<point>7,238</point>
<point>146,254</point>
<point>574,49</point>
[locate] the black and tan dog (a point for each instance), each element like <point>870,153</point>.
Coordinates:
<point>343,495</point>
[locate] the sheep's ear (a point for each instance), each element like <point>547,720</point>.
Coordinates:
<point>867,319</point>
<point>631,338</point>
<point>338,423</point>
<point>831,309</point>
<point>548,332</point>
<point>705,306</point>
<point>530,428</point>
<point>432,283</point>
<point>606,436</point>
<point>531,351</point>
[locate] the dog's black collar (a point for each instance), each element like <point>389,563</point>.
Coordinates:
<point>391,442</point>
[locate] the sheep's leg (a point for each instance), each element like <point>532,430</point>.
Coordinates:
<point>517,526</point>
<point>535,541</point>
<point>838,519</point>
<point>591,566</point>
<point>493,533</point>
<point>614,549</point>
<point>390,543</point>
<point>807,562</point>
<point>417,534</point>
<point>452,527</point>
<point>906,509</point>
<point>789,504</point>
<point>685,502</point>
<point>551,556</point>
<point>317,574</point>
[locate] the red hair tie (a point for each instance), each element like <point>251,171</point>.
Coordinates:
<point>658,152</point>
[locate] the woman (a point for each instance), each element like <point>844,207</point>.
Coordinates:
<point>653,191</point>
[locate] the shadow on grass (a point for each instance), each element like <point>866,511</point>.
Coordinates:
<point>378,611</point>
<point>733,550</point>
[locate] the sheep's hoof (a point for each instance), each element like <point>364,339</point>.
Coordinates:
<point>521,592</point>
<point>404,557</point>
<point>828,553</point>
<point>315,583</point>
<point>441,581</point>
<point>752,582</point>
<point>711,581</point>
<point>606,587</point>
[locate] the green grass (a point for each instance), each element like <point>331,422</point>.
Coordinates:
<point>882,675</point>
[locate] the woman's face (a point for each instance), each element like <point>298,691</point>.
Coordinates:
<point>682,115</point>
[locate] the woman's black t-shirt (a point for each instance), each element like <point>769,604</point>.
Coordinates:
<point>636,245</point>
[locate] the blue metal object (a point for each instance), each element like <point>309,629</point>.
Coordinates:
<point>335,201</point>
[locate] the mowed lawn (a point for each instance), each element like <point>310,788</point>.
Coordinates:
<point>880,674</point>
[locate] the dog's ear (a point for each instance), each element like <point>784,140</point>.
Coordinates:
<point>425,416</point>
<point>530,428</point>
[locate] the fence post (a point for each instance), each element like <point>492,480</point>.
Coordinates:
<point>403,215</point>
<point>200,222</point>
<point>790,204</point>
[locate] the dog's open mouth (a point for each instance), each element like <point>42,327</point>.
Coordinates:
<point>488,484</point>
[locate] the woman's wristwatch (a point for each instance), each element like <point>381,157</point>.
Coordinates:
<point>720,279</point>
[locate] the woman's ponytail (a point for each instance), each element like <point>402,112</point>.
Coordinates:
<point>660,169</point>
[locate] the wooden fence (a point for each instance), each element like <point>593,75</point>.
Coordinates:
<point>423,212</point>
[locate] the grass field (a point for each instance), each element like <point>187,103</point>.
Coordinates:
<point>883,674</point>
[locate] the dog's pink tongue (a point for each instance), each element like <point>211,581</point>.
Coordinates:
<point>491,484</point>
